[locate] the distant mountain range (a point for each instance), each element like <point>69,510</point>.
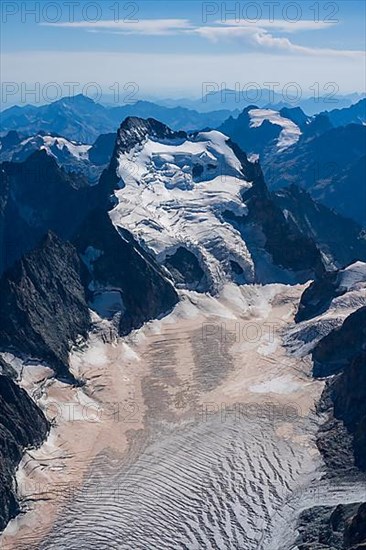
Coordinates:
<point>330,165</point>
<point>81,119</point>
<point>324,154</point>
<point>262,97</point>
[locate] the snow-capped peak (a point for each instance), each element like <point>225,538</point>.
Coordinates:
<point>174,190</point>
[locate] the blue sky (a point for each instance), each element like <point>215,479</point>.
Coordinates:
<point>171,48</point>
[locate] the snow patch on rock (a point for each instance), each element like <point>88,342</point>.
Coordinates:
<point>303,336</point>
<point>290,133</point>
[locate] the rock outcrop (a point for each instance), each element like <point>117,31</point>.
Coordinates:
<point>343,353</point>
<point>340,357</point>
<point>22,425</point>
<point>325,292</point>
<point>341,240</point>
<point>101,151</point>
<point>117,266</point>
<point>36,196</point>
<point>341,527</point>
<point>288,247</point>
<point>186,270</point>
<point>43,302</point>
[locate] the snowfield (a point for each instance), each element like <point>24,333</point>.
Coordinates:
<point>173,194</point>
<point>303,337</point>
<point>290,131</point>
<point>79,151</point>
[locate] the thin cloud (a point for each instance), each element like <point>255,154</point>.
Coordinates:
<point>259,37</point>
<point>148,27</point>
<point>282,25</point>
<point>255,34</point>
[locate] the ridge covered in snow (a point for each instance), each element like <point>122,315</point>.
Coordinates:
<point>74,156</point>
<point>174,190</point>
<point>290,133</point>
<point>79,151</point>
<point>56,146</point>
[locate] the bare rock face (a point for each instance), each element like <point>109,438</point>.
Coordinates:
<point>336,351</point>
<point>340,239</point>
<point>288,246</point>
<point>348,393</point>
<point>134,130</point>
<point>43,302</point>
<point>22,425</point>
<point>341,527</point>
<point>319,294</point>
<point>186,271</point>
<point>340,357</point>
<point>37,196</point>
<point>115,263</point>
<point>343,352</point>
<point>101,151</point>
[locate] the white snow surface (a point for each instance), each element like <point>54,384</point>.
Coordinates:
<point>353,276</point>
<point>290,133</point>
<point>79,151</point>
<point>303,336</point>
<point>173,194</point>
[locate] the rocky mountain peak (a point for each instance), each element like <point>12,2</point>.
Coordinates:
<point>135,130</point>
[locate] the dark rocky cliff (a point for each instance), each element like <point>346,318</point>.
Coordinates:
<point>341,240</point>
<point>317,297</point>
<point>335,352</point>
<point>37,196</point>
<point>116,263</point>
<point>43,304</point>
<point>341,358</point>
<point>288,247</point>
<point>341,527</point>
<point>342,439</point>
<point>286,244</point>
<point>22,425</point>
<point>101,152</point>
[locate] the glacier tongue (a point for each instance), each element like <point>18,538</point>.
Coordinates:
<point>290,133</point>
<point>174,190</point>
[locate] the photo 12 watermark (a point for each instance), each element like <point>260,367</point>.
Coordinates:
<point>70,12</point>
<point>38,93</point>
<point>268,92</point>
<point>255,412</point>
<point>116,412</point>
<point>270,11</point>
<point>239,331</point>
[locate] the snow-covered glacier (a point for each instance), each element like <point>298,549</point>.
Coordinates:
<point>174,190</point>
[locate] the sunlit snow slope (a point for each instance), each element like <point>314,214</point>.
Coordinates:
<point>290,133</point>
<point>174,190</point>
